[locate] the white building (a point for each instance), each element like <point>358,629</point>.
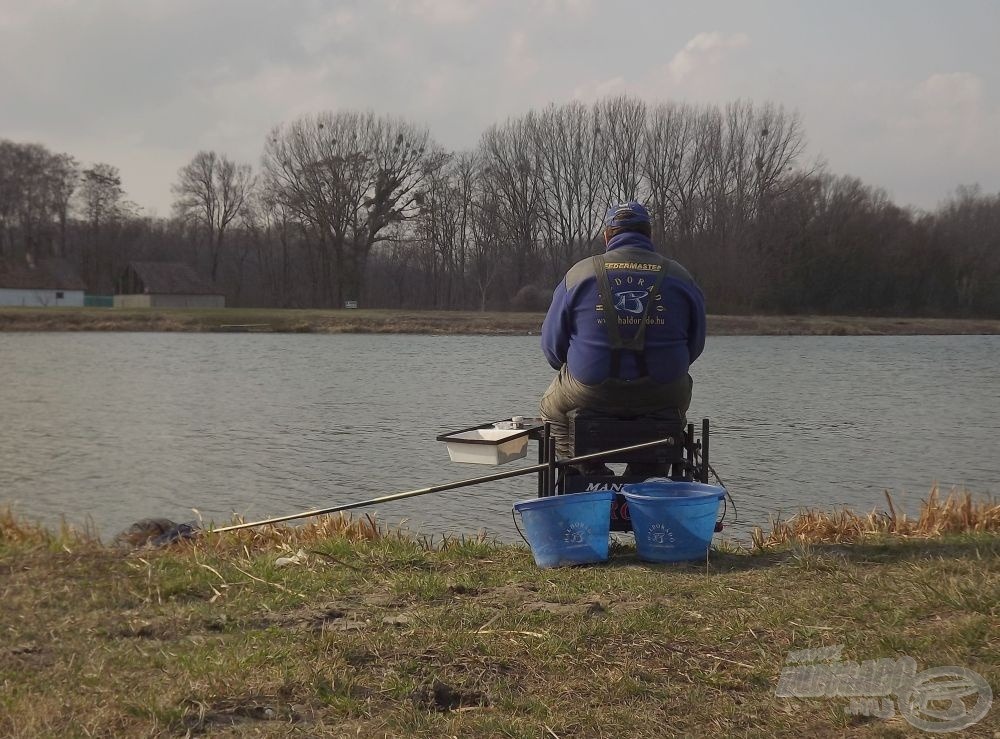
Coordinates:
<point>50,282</point>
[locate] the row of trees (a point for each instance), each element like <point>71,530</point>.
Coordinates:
<point>354,206</point>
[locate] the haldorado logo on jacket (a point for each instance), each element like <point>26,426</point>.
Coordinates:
<point>630,294</point>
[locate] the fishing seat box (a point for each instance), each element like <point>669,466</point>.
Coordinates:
<point>591,432</point>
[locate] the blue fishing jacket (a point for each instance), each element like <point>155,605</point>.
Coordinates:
<point>575,332</point>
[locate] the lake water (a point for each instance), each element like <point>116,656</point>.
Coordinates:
<point>113,427</point>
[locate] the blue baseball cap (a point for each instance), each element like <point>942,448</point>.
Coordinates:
<point>626,214</point>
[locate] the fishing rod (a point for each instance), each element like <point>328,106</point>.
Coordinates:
<point>548,467</point>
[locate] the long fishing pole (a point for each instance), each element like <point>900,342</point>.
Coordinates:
<point>446,486</point>
<point>387,498</point>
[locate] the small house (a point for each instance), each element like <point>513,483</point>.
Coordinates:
<point>49,282</point>
<point>165,285</point>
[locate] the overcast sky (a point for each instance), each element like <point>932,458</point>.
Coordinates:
<point>904,94</point>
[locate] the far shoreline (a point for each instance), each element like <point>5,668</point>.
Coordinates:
<point>439,322</point>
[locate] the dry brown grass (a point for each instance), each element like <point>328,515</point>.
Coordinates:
<point>322,528</point>
<point>958,513</point>
<point>375,634</point>
<point>28,533</point>
<point>257,540</point>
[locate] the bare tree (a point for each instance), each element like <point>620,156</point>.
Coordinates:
<point>34,207</point>
<point>212,191</point>
<point>347,176</point>
<point>9,195</point>
<point>101,194</point>
<point>622,122</point>
<point>968,227</point>
<point>571,167</point>
<point>64,179</point>
<point>779,142</point>
<point>441,229</point>
<point>486,246</point>
<point>465,172</point>
<point>101,201</point>
<point>35,189</point>
<point>674,166</point>
<point>271,228</point>
<point>512,189</point>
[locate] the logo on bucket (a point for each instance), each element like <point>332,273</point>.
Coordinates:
<point>660,536</point>
<point>576,533</point>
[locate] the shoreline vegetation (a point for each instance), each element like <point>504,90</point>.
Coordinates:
<point>276,320</point>
<point>339,627</point>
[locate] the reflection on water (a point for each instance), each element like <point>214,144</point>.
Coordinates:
<point>115,427</point>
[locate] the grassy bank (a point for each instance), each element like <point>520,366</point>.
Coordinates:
<point>438,322</point>
<point>340,629</point>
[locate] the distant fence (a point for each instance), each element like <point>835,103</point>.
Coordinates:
<point>99,301</point>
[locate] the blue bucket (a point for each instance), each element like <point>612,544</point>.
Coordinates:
<point>570,529</point>
<point>673,521</point>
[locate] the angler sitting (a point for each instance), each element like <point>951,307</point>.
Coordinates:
<point>622,331</point>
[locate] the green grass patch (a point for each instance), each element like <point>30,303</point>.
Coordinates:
<point>340,627</point>
<point>377,635</point>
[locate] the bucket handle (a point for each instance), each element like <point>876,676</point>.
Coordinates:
<point>513,515</point>
<point>725,508</point>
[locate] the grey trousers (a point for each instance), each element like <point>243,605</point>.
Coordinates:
<point>614,397</point>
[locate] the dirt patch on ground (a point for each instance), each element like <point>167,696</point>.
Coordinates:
<point>315,619</point>
<point>201,717</point>
<point>156,631</point>
<point>588,607</point>
<point>440,696</point>
<point>508,594</point>
<point>526,599</point>
<point>27,656</point>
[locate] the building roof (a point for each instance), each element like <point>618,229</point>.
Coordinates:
<point>47,274</point>
<point>171,278</point>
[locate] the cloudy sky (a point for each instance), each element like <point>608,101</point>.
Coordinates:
<point>904,94</point>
